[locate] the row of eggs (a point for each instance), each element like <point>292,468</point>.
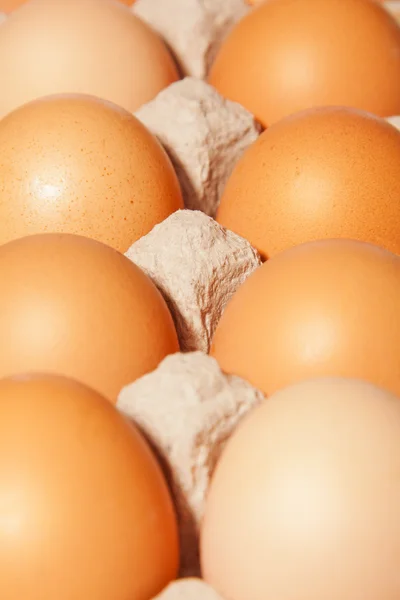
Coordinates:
<point>282,57</point>
<point>304,502</point>
<point>85,512</point>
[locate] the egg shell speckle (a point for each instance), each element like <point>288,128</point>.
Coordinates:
<point>78,164</point>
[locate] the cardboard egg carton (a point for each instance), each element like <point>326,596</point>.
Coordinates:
<point>198,266</point>
<point>393,6</point>
<point>395,121</point>
<point>187,408</point>
<point>189,589</point>
<point>193,29</point>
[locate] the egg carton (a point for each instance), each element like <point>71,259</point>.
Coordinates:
<point>198,266</point>
<point>189,589</point>
<point>204,135</point>
<point>393,6</point>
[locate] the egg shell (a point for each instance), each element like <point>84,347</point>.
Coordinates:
<point>330,172</point>
<point>254,2</point>
<point>305,501</point>
<point>78,164</point>
<point>287,56</point>
<point>95,47</point>
<point>75,307</point>
<point>328,308</point>
<point>85,510</point>
<point>7,6</point>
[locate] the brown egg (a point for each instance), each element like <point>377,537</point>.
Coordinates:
<point>254,2</point>
<point>7,6</point>
<point>286,56</point>
<point>323,173</point>
<point>85,510</point>
<point>95,47</point>
<point>77,164</point>
<point>305,501</point>
<point>328,308</point>
<point>75,307</point>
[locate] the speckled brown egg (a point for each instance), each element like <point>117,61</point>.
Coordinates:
<point>96,47</point>
<point>75,307</point>
<point>286,56</point>
<point>305,501</point>
<point>322,173</point>
<point>77,164</point>
<point>85,510</point>
<point>326,308</point>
